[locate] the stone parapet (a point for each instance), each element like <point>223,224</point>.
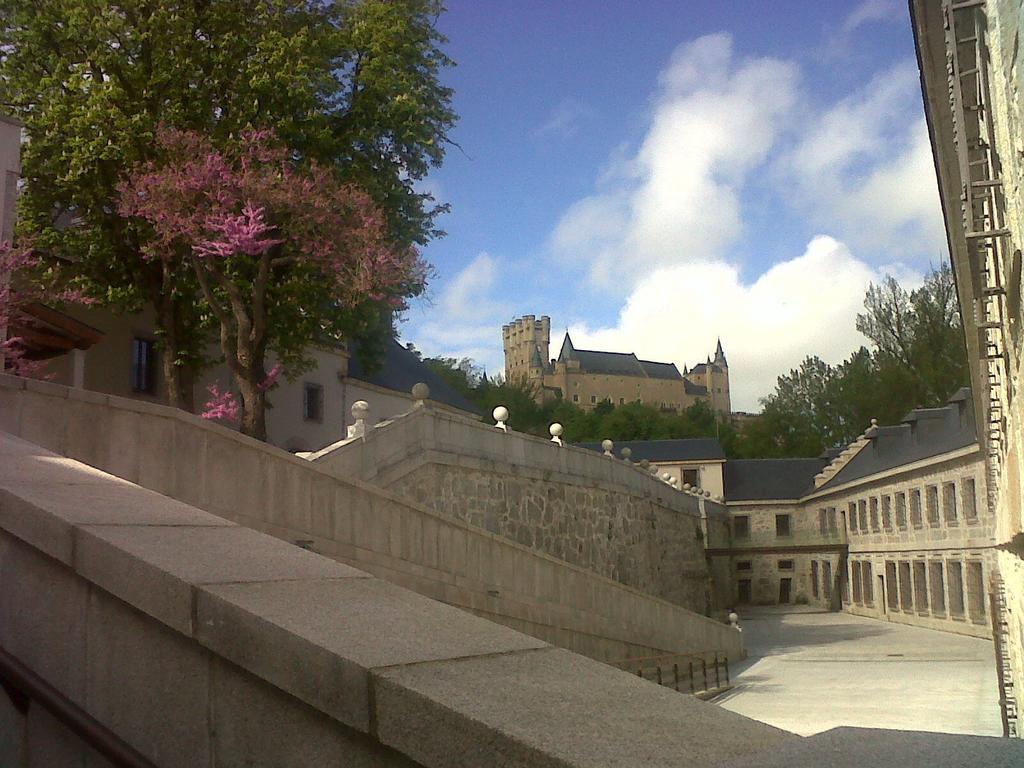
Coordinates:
<point>261,487</point>
<point>601,513</point>
<point>201,643</point>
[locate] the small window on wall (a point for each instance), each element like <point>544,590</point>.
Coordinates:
<point>782,525</point>
<point>741,527</point>
<point>691,476</point>
<point>575,398</point>
<point>593,398</point>
<point>743,565</point>
<point>622,401</point>
<point>785,565</point>
<point>143,365</point>
<point>312,402</point>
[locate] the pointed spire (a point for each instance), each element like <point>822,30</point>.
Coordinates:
<point>535,359</point>
<point>567,351</point>
<point>720,354</point>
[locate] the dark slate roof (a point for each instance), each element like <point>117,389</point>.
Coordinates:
<point>702,367</point>
<point>924,432</point>
<point>690,449</point>
<point>400,369</point>
<point>616,363</point>
<point>694,389</point>
<point>660,370</point>
<point>756,479</point>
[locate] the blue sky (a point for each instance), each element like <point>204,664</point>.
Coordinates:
<point>655,175</point>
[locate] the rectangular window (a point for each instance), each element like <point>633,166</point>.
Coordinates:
<point>862,513</point>
<point>921,586</point>
<point>949,503</point>
<point>312,402</point>
<point>906,588</point>
<point>892,598</point>
<point>691,476</point>
<point>823,522</point>
<point>593,398</point>
<point>955,585</point>
<point>741,527</point>
<point>887,513</point>
<point>143,365</point>
<point>743,591</point>
<point>932,505</point>
<point>938,588</point>
<point>915,508</point>
<point>832,529</point>
<point>869,587</point>
<point>814,578</point>
<point>874,514</point>
<point>844,587</point>
<point>858,596</point>
<point>782,525</point>
<point>853,517</point>
<point>969,500</point>
<point>826,580</point>
<point>575,398</point>
<point>622,401</point>
<point>975,591</point>
<point>743,565</point>
<point>785,565</point>
<point>901,511</point>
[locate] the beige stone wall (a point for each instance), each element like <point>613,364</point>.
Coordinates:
<point>434,554</point>
<point>889,529</point>
<point>595,512</point>
<point>588,389</point>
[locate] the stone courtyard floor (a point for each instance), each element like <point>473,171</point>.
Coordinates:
<point>809,671</point>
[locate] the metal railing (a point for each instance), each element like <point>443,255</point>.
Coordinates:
<point>687,673</point>
<point>24,687</point>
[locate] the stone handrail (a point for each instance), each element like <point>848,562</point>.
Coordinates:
<point>200,643</point>
<point>264,488</point>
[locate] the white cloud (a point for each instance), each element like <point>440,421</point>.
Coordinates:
<point>864,168</point>
<point>676,199</point>
<point>465,319</point>
<point>565,119</point>
<point>871,11</point>
<point>802,306</point>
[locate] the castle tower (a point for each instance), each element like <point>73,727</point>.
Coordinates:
<point>718,387</point>
<point>526,341</point>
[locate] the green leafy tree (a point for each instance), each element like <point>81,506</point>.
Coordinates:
<point>355,85</point>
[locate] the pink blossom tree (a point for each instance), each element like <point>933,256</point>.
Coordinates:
<point>25,279</point>
<point>286,255</point>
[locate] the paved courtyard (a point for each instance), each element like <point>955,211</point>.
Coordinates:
<point>809,671</point>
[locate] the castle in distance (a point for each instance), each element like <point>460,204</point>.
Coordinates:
<point>587,377</point>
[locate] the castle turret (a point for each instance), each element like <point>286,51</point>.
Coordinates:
<point>526,341</point>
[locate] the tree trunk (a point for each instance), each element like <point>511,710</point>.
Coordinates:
<point>177,378</point>
<point>253,420</point>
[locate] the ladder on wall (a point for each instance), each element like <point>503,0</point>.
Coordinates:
<point>1000,637</point>
<point>983,211</point>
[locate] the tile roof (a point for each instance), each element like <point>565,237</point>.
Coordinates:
<point>770,479</point>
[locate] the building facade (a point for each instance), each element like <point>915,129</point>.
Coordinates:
<point>970,61</point>
<point>588,377</point>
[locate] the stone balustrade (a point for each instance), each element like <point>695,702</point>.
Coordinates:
<point>200,642</point>
<point>266,489</point>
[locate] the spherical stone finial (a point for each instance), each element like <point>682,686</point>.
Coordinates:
<point>874,422</point>
<point>606,446</point>
<point>686,486</point>
<point>555,430</point>
<point>666,476</point>
<point>707,494</point>
<point>626,452</point>
<point>644,464</point>
<point>500,415</point>
<point>420,391</point>
<point>360,410</point>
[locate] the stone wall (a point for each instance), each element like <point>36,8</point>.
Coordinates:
<point>202,643</point>
<point>266,489</point>
<point>928,522</point>
<point>589,510</point>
